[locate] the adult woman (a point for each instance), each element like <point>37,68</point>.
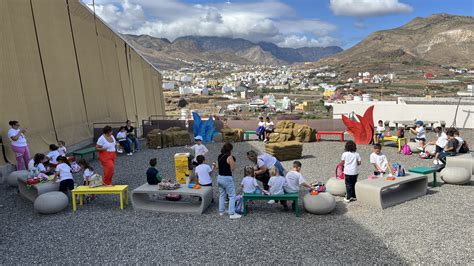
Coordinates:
<point>226,164</point>
<point>132,138</point>
<point>106,146</point>
<point>19,145</point>
<point>264,163</point>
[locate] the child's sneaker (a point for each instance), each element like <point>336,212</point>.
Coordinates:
<point>346,200</point>
<point>271,202</point>
<point>435,162</point>
<point>235,216</point>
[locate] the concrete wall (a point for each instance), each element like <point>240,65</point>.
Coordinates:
<point>392,111</point>
<point>62,69</point>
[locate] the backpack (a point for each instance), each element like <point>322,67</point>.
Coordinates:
<point>398,170</point>
<point>401,133</point>
<point>239,204</point>
<point>464,147</point>
<point>95,181</point>
<point>406,149</point>
<point>260,130</point>
<point>340,171</point>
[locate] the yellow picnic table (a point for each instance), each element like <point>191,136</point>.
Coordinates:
<point>80,191</point>
<point>396,139</point>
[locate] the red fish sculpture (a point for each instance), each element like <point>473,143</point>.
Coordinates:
<point>362,130</point>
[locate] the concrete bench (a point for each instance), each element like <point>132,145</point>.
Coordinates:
<point>382,193</point>
<point>337,133</point>
<point>31,192</point>
<point>141,199</point>
<point>86,151</point>
<point>287,196</point>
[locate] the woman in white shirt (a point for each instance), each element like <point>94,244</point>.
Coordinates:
<point>106,146</point>
<point>19,145</point>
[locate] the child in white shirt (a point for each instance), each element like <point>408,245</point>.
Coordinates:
<point>53,155</point>
<point>36,166</point>
<point>203,172</point>
<point>276,183</point>
<point>249,183</point>
<point>293,180</point>
<point>63,173</point>
<point>62,148</point>
<point>123,141</point>
<point>198,148</point>
<point>420,133</point>
<point>351,160</point>
<point>87,175</point>
<point>379,131</point>
<point>380,162</point>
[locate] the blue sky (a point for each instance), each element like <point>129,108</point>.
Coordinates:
<point>287,23</point>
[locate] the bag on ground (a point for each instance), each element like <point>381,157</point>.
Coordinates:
<point>239,204</point>
<point>406,150</point>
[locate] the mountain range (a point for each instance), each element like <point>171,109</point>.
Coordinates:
<point>423,43</point>
<point>164,53</point>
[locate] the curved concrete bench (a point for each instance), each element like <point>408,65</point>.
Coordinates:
<point>32,192</point>
<point>141,199</point>
<point>382,193</point>
<point>465,161</point>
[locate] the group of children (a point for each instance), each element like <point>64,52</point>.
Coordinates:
<point>264,128</point>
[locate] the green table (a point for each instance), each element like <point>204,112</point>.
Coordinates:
<point>248,133</point>
<point>85,152</point>
<point>425,170</point>
<point>286,196</point>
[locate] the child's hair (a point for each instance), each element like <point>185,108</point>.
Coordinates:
<point>39,158</point>
<point>261,118</point>
<point>13,123</point>
<point>274,172</point>
<point>62,142</point>
<point>84,164</point>
<point>153,162</point>
<point>377,146</point>
<point>297,164</point>
<point>248,171</point>
<point>450,132</point>
<point>63,159</point>
<point>200,159</point>
<point>122,128</point>
<point>380,121</point>
<point>268,118</point>
<point>350,146</point>
<point>53,147</point>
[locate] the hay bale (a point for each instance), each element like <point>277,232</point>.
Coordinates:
<point>284,151</point>
<point>278,137</point>
<point>154,139</point>
<point>232,134</point>
<point>280,125</point>
<point>181,138</point>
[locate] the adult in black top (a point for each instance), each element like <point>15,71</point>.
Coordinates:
<point>226,164</point>
<point>132,138</point>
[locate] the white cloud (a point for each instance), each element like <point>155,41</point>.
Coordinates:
<point>265,20</point>
<point>368,8</point>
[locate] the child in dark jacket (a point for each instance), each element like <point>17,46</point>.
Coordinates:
<point>152,174</point>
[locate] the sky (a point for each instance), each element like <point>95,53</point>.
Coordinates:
<point>287,23</point>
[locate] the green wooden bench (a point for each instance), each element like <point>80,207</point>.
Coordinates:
<point>247,134</point>
<point>85,151</point>
<point>286,196</point>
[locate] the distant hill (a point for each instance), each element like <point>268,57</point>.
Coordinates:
<point>440,39</point>
<point>164,53</point>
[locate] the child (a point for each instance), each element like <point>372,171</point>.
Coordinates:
<point>462,148</point>
<point>293,181</point>
<point>36,166</point>
<point>198,148</point>
<point>63,172</point>
<point>62,148</point>
<point>88,173</point>
<point>203,172</point>
<point>380,162</point>
<point>153,176</point>
<point>276,183</point>
<point>379,131</point>
<point>440,142</point>
<point>269,127</point>
<point>249,183</point>
<point>261,129</point>
<point>351,161</point>
<point>450,148</point>
<point>122,139</point>
<point>53,155</point>
<point>420,133</point>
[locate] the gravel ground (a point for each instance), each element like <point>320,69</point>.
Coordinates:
<point>436,228</point>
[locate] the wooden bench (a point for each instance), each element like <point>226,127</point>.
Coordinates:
<point>337,133</point>
<point>286,196</point>
<point>141,199</point>
<point>396,139</point>
<point>80,191</point>
<point>85,151</point>
<point>382,193</point>
<point>247,134</point>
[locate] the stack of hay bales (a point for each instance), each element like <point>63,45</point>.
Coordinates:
<point>232,134</point>
<point>284,151</point>
<point>154,139</point>
<point>287,131</point>
<point>170,137</point>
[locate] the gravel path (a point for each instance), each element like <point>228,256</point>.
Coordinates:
<point>436,228</point>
